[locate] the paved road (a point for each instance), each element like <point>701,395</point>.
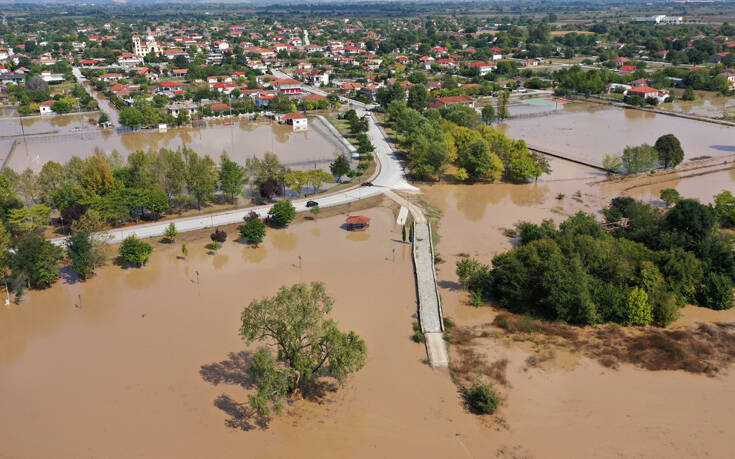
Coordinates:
<point>104,103</point>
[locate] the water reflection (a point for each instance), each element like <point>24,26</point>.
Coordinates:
<point>284,240</point>
<point>250,139</point>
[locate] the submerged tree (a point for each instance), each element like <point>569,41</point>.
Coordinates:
<point>309,344</point>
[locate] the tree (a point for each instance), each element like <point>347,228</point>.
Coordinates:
<point>488,114</point>
<point>479,162</point>
<point>637,308</point>
<point>296,180</point>
<point>36,259</point>
<point>171,232</point>
<point>95,177</point>
<point>503,105</point>
<point>639,158</point>
<point>201,176</point>
<point>612,163</point>
<point>104,117</point>
<point>725,208</point>
<point>84,258</point>
<point>282,213</point>
<point>670,153</point>
<point>134,251</point>
<point>688,94</point>
<point>418,97</point>
<point>339,167</point>
<point>315,178</point>
<point>61,106</point>
<point>91,222</point>
<point>253,231</point>
<point>131,117</point>
<point>309,344</point>
<point>670,196</point>
<point>28,219</point>
<point>716,293</point>
<point>232,177</point>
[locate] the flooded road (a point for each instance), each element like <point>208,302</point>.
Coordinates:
<point>590,131</point>
<point>241,140</point>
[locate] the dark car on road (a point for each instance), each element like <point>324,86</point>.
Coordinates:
<point>366,184</point>
<point>312,204</point>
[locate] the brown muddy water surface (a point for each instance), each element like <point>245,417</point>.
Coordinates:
<point>120,376</point>
<point>589,132</point>
<point>575,407</point>
<point>240,140</point>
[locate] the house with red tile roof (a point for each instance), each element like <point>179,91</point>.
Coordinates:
<point>441,102</point>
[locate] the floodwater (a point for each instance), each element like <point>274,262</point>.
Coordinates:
<point>706,104</point>
<point>120,376</point>
<point>241,140</point>
<point>582,409</point>
<point>588,132</point>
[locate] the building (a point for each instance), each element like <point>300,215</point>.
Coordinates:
<point>440,102</point>
<point>45,107</point>
<point>482,68</point>
<point>297,120</point>
<point>143,48</point>
<point>287,86</point>
<point>660,19</point>
<point>110,77</point>
<point>178,107</point>
<point>169,87</point>
<point>647,92</point>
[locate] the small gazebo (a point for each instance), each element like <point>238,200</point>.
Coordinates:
<point>357,223</point>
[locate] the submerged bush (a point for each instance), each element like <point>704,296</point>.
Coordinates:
<point>481,398</point>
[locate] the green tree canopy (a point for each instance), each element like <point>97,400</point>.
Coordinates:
<point>309,344</point>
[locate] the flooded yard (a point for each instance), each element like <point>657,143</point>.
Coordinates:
<point>241,140</point>
<point>588,132</point>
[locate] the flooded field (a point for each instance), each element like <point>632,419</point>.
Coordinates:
<point>589,131</point>
<point>574,407</point>
<point>240,140</point>
<point>120,376</point>
<point>706,104</point>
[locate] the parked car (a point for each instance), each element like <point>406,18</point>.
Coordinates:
<point>366,184</point>
<point>312,204</point>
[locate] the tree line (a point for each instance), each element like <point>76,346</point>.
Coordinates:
<point>640,273</point>
<point>454,135</point>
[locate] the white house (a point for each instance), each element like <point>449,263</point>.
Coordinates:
<point>45,107</point>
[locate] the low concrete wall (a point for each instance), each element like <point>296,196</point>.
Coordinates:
<point>601,101</point>
<point>332,133</point>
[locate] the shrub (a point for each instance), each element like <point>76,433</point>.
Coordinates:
<point>170,233</point>
<point>218,236</point>
<point>254,231</point>
<point>282,213</point>
<point>134,251</point>
<point>418,335</point>
<point>716,293</point>
<point>481,398</point>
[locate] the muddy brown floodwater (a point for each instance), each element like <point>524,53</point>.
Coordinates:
<point>576,407</point>
<point>241,140</point>
<point>120,376</point>
<point>590,131</point>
